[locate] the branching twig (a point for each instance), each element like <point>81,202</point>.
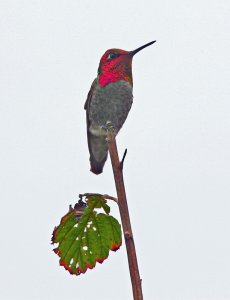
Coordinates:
<point>124,212</point>
<point>123,159</point>
<point>105,196</point>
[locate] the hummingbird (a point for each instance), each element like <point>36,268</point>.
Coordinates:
<point>109,100</point>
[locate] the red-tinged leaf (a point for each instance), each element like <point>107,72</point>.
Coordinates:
<point>85,237</point>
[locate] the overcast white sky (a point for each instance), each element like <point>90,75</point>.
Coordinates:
<point>177,169</point>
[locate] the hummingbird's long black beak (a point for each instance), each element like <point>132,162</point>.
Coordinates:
<point>132,53</point>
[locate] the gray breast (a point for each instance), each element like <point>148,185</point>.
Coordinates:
<point>110,103</point>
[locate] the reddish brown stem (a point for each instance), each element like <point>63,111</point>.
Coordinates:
<point>124,212</point>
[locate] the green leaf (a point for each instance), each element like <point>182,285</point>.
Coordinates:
<point>85,236</point>
<point>106,208</point>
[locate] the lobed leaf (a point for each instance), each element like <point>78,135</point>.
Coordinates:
<point>85,236</point>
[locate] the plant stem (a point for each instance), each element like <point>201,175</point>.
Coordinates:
<point>124,212</point>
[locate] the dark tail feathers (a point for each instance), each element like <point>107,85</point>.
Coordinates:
<point>97,167</point>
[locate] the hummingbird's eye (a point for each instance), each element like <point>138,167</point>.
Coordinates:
<point>112,56</point>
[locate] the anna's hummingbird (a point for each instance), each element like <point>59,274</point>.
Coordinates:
<point>109,99</point>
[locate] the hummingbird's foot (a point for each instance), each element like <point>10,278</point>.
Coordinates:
<point>111,131</point>
<point>110,127</point>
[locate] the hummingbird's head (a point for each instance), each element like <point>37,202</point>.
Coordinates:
<point>116,64</point>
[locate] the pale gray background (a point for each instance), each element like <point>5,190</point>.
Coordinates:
<point>177,134</point>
